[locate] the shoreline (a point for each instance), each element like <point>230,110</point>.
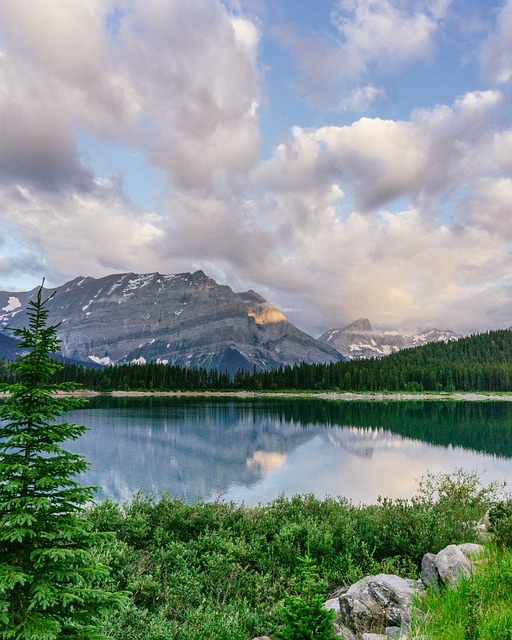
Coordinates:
<point>321,395</point>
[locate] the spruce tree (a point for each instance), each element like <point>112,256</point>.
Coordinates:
<point>49,578</point>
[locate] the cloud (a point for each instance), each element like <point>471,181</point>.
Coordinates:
<point>326,192</point>
<point>380,32</point>
<point>491,204</point>
<point>496,52</point>
<point>177,82</point>
<point>194,69</point>
<point>102,228</point>
<point>380,35</point>
<point>382,160</point>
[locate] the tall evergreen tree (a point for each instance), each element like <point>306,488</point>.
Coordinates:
<point>49,577</point>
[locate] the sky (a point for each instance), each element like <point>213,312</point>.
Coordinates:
<point>343,158</point>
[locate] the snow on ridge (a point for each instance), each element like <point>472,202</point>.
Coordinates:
<point>105,361</point>
<point>138,282</point>
<point>92,299</point>
<point>116,284</point>
<point>12,304</point>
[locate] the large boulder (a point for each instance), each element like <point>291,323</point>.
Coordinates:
<point>448,566</point>
<point>376,602</point>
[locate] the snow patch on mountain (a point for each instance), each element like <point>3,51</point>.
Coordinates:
<point>12,304</point>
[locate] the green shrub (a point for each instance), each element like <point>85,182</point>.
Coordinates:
<point>303,616</point>
<point>500,516</point>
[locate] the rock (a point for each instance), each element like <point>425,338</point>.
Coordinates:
<point>261,638</point>
<point>343,632</point>
<point>393,632</point>
<point>334,604</point>
<point>374,636</point>
<point>452,564</point>
<point>429,572</point>
<point>484,526</point>
<point>376,602</point>
<point>449,565</point>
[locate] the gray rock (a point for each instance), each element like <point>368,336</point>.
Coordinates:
<point>343,632</point>
<point>261,638</point>
<point>452,564</point>
<point>393,632</point>
<point>429,572</point>
<point>334,604</point>
<point>374,636</point>
<point>376,602</point>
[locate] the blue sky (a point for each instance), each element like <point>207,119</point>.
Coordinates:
<point>344,158</point>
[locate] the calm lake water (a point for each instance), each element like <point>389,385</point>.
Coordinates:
<point>254,450</point>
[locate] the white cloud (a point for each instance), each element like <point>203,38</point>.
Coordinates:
<point>381,160</point>
<point>383,32</point>
<point>93,231</point>
<point>491,206</point>
<point>370,34</point>
<point>194,67</point>
<point>497,50</point>
<point>361,98</point>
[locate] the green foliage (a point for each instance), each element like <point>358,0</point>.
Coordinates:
<point>49,577</point>
<point>222,570</point>
<point>479,608</point>
<point>500,516</point>
<point>303,616</point>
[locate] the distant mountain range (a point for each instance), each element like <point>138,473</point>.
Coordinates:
<point>359,340</point>
<point>190,320</point>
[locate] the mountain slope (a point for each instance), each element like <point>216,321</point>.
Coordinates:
<point>186,319</point>
<point>359,340</point>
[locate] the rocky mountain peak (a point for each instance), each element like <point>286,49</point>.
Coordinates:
<point>360,325</point>
<point>186,318</point>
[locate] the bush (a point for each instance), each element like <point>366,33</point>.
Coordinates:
<point>500,517</point>
<point>303,616</point>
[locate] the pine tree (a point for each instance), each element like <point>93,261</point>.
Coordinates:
<point>49,577</point>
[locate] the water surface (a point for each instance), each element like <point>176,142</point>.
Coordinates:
<point>254,450</point>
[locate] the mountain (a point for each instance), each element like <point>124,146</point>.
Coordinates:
<point>186,319</point>
<point>359,340</point>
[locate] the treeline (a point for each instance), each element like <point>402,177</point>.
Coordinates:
<point>481,362</point>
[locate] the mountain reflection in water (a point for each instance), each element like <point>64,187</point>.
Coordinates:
<point>254,450</point>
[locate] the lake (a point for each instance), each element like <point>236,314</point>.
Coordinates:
<point>253,450</point>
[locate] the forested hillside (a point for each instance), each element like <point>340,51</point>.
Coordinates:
<point>481,362</point>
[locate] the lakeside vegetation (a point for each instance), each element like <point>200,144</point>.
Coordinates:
<point>481,362</point>
<point>219,571</point>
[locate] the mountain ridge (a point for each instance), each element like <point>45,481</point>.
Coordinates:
<point>187,319</point>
